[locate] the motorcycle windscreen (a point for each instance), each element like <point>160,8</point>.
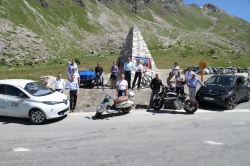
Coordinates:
<point>177,104</point>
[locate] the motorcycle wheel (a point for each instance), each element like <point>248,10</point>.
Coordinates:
<point>97,115</point>
<point>126,110</point>
<point>190,106</point>
<point>157,104</point>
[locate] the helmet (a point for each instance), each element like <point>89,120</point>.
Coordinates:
<point>131,94</point>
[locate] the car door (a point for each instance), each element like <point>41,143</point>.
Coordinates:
<point>3,102</point>
<point>240,88</point>
<point>17,102</point>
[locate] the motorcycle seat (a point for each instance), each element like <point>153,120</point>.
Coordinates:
<point>121,99</point>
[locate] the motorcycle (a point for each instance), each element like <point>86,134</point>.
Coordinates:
<point>171,100</point>
<point>122,103</point>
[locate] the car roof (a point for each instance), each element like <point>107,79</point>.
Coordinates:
<point>16,82</point>
<point>228,75</point>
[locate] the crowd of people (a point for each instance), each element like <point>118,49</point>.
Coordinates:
<point>176,81</point>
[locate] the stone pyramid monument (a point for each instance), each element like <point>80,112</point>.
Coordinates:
<point>136,48</point>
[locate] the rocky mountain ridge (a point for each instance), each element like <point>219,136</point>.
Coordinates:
<point>39,30</point>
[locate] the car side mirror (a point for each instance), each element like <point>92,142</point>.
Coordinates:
<point>22,95</point>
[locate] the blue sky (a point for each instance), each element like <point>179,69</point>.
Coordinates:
<point>238,8</point>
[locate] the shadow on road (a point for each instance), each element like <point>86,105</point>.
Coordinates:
<point>24,121</point>
<point>168,112</point>
<point>208,107</point>
<point>141,106</point>
<point>107,116</point>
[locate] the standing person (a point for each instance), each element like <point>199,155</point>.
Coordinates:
<point>73,93</point>
<point>188,74</point>
<point>128,66</point>
<point>179,83</point>
<point>98,73</point>
<point>70,67</point>
<point>114,72</point>
<point>138,73</point>
<point>171,81</point>
<point>155,87</point>
<point>192,83</point>
<point>59,82</point>
<point>122,87</point>
<point>77,76</point>
<point>175,69</point>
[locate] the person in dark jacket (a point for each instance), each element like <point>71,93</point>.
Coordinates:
<point>155,86</point>
<point>98,73</point>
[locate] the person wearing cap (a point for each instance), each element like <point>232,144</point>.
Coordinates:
<point>70,66</point>
<point>175,69</point>
<point>73,92</point>
<point>98,73</point>
<point>128,66</point>
<point>138,73</point>
<point>192,83</point>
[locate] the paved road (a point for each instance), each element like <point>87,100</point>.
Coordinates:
<point>165,137</point>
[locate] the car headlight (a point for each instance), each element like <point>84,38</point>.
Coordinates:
<point>90,76</point>
<point>224,92</point>
<point>51,102</point>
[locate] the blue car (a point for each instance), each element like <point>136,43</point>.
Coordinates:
<point>88,78</point>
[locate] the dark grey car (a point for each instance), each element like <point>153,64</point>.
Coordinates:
<point>224,90</point>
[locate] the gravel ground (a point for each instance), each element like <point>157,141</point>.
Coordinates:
<point>90,99</point>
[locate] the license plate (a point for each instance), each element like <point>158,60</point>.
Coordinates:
<point>208,98</point>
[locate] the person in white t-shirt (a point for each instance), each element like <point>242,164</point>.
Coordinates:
<point>122,87</point>
<point>188,74</point>
<point>175,69</point>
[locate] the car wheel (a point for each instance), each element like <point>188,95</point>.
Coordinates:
<point>37,116</point>
<point>92,84</point>
<point>232,103</point>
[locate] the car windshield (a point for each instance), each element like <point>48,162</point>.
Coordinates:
<point>37,89</point>
<point>220,81</point>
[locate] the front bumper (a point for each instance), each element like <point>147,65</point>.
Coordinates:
<point>215,100</point>
<point>57,111</point>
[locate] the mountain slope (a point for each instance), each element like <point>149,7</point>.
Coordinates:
<point>58,29</point>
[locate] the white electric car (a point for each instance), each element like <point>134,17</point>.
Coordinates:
<point>30,99</point>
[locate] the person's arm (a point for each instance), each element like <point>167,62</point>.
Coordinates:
<point>187,82</point>
<point>117,86</point>
<point>79,81</point>
<point>78,89</point>
<point>52,82</point>
<point>69,70</point>
<point>76,68</point>
<point>199,81</point>
<point>127,90</point>
<point>124,66</point>
<point>67,84</point>
<point>101,71</point>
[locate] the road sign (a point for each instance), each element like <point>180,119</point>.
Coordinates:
<point>203,64</point>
